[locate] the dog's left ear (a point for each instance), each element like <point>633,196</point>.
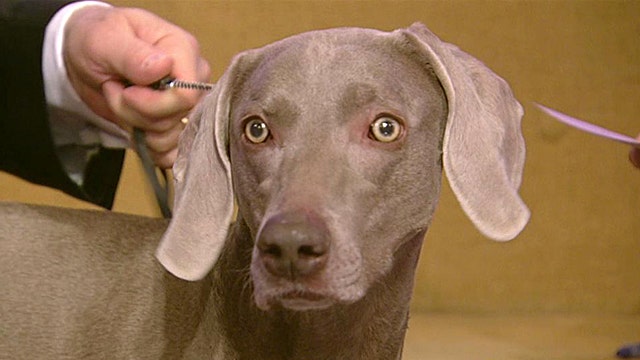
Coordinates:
<point>483,147</point>
<point>203,206</point>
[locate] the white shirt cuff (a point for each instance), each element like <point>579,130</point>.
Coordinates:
<point>85,127</point>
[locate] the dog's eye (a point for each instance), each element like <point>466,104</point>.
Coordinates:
<point>385,129</point>
<point>256,131</point>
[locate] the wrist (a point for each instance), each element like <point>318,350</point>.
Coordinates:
<point>58,88</point>
<point>61,94</point>
<point>75,61</point>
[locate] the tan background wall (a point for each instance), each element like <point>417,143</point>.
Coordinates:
<point>581,251</point>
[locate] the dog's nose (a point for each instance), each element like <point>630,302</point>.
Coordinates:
<point>293,245</point>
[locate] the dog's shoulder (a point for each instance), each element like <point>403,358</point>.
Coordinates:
<point>74,280</point>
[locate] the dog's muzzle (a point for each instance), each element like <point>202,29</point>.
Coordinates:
<point>293,246</point>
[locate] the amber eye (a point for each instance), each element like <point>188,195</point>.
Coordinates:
<point>256,131</point>
<point>385,129</point>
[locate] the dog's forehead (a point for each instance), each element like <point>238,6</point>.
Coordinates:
<point>332,58</point>
<point>334,65</point>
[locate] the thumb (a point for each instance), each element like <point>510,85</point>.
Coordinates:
<point>140,63</point>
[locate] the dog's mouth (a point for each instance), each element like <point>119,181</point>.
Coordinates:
<point>304,300</point>
<point>298,299</point>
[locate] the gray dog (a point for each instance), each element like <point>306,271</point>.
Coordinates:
<point>332,144</point>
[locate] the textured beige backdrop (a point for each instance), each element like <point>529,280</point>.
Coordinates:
<point>581,251</point>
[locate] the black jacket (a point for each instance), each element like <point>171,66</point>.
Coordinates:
<point>26,145</point>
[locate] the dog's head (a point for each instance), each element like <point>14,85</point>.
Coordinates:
<point>332,143</point>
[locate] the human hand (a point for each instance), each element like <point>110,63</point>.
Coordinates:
<point>107,47</point>
<point>634,155</point>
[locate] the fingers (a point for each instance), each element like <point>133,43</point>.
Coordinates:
<point>136,61</point>
<point>138,103</point>
<point>128,54</point>
<point>158,113</point>
<point>112,54</point>
<point>164,145</point>
<point>634,157</point>
<point>115,53</point>
<point>145,108</point>
<point>171,101</point>
<point>161,132</point>
<point>166,160</point>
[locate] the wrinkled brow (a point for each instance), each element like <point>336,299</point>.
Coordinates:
<point>276,108</point>
<point>358,95</point>
<point>281,109</point>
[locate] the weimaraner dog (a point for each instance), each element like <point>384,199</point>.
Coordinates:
<point>332,145</point>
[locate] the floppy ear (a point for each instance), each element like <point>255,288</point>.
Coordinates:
<point>203,206</point>
<point>483,147</point>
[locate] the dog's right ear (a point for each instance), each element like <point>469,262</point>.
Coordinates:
<point>203,206</point>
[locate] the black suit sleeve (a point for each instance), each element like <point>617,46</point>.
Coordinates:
<point>26,145</point>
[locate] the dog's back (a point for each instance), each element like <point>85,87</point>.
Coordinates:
<point>71,275</point>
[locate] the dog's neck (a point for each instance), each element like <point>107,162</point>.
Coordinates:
<point>372,328</point>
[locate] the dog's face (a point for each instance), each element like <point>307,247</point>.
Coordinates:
<point>332,143</point>
<point>335,152</point>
